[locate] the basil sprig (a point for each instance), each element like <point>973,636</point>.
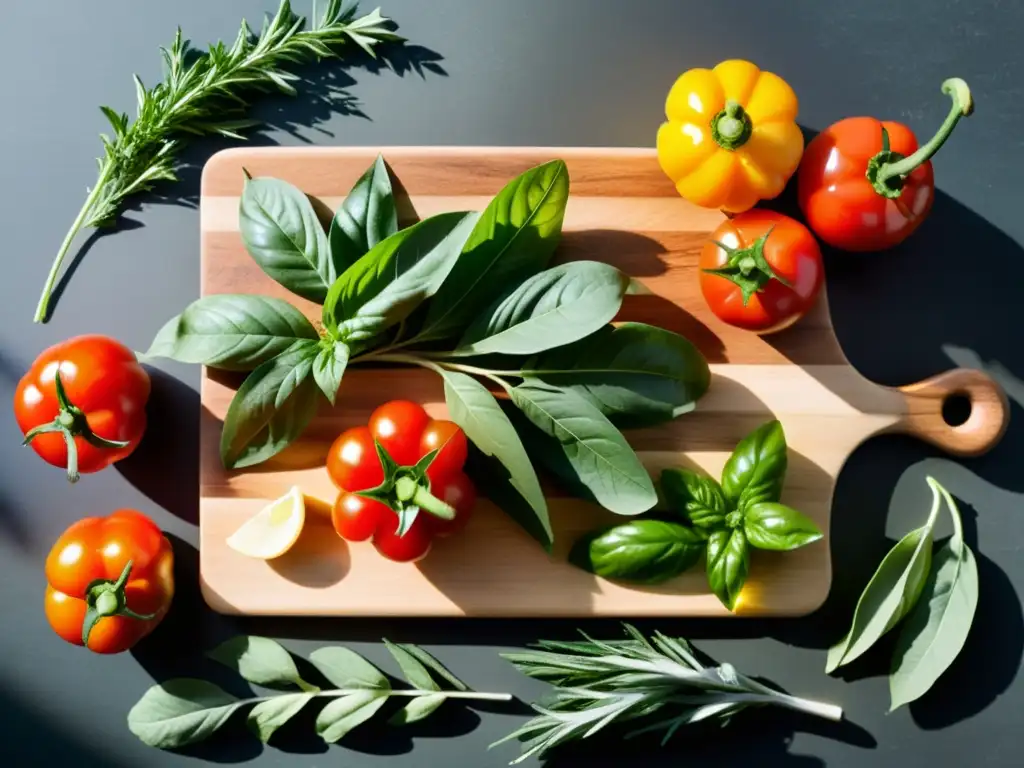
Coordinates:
<point>472,296</point>
<point>722,520</point>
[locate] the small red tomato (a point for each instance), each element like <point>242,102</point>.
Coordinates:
<point>397,426</point>
<point>761,271</point>
<point>458,491</point>
<point>408,548</point>
<point>82,404</point>
<point>357,518</point>
<point>352,461</point>
<point>449,440</point>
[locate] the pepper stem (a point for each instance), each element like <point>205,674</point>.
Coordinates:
<point>428,502</point>
<point>887,170</point>
<point>106,598</point>
<point>731,128</point>
<point>71,423</point>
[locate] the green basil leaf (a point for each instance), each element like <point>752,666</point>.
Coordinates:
<point>888,597</point>
<point>514,239</point>
<point>756,470</point>
<point>641,551</point>
<point>179,712</point>
<point>728,563</point>
<point>329,367</point>
<point>346,712</point>
<point>433,665</point>
<point>283,235</point>
<point>367,216</point>
<point>234,332</point>
<point>347,669</point>
<point>637,374</point>
<point>936,628</point>
<point>598,452</point>
<point>271,408</point>
<point>697,497</point>
<point>556,307</point>
<point>417,675</point>
<point>774,526</point>
<point>418,709</point>
<point>267,716</point>
<point>396,276</point>
<point>473,407</point>
<point>258,660</point>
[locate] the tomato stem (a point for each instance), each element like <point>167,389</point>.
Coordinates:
<point>888,170</point>
<point>731,128</point>
<point>429,503</point>
<point>747,267</point>
<point>105,598</point>
<point>71,423</point>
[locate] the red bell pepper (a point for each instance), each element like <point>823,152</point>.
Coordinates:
<point>866,185</point>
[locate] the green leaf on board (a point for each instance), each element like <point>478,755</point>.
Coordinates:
<point>728,563</point>
<point>267,716</point>
<point>346,712</point>
<point>598,452</point>
<point>258,660</point>
<point>756,470</point>
<point>417,709</point>
<point>329,368</point>
<point>433,665</point>
<point>640,551</point>
<point>387,284</point>
<point>367,216</point>
<point>347,669</point>
<point>888,597</point>
<point>283,235</point>
<point>555,307</point>
<point>513,239</point>
<point>233,332</point>
<point>474,408</point>
<point>638,375</point>
<point>415,673</point>
<point>180,712</point>
<point>697,497</point>
<point>774,526</point>
<point>936,629</point>
<point>271,408</point>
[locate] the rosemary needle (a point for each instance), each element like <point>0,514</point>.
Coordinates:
<point>204,94</point>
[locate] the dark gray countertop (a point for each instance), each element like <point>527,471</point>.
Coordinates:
<point>532,72</point>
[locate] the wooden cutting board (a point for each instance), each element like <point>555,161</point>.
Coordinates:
<point>622,210</point>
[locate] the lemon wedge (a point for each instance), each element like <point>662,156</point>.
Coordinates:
<point>274,529</point>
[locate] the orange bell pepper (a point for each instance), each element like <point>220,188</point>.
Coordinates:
<point>731,138</point>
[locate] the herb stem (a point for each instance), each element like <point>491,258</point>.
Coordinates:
<point>441,366</point>
<point>44,299</point>
<point>409,693</point>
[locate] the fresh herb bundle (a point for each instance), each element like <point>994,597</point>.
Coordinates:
<point>469,296</point>
<point>722,520</point>
<point>185,711</point>
<point>937,597</point>
<point>656,685</point>
<point>206,94</point>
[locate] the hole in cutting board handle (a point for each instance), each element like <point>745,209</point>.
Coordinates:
<point>956,409</point>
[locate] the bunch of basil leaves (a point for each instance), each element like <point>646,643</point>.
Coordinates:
<point>720,520</point>
<point>470,296</point>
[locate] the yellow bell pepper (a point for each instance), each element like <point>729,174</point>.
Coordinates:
<point>731,138</point>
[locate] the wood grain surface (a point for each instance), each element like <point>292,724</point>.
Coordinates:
<point>624,211</point>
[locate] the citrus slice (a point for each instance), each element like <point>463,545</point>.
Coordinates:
<point>273,530</point>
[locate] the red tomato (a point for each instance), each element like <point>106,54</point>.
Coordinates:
<point>98,550</point>
<point>408,548</point>
<point>397,426</point>
<point>451,440</point>
<point>458,491</point>
<point>352,461</point>
<point>790,251</point>
<point>357,518</point>
<point>103,414</point>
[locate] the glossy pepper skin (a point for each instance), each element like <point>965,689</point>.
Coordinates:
<point>82,404</point>
<point>110,581</point>
<point>731,137</point>
<point>866,185</point>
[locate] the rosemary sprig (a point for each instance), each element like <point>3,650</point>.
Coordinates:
<point>204,94</point>
<point>598,683</point>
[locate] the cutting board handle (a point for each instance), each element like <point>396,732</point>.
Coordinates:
<point>988,419</point>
